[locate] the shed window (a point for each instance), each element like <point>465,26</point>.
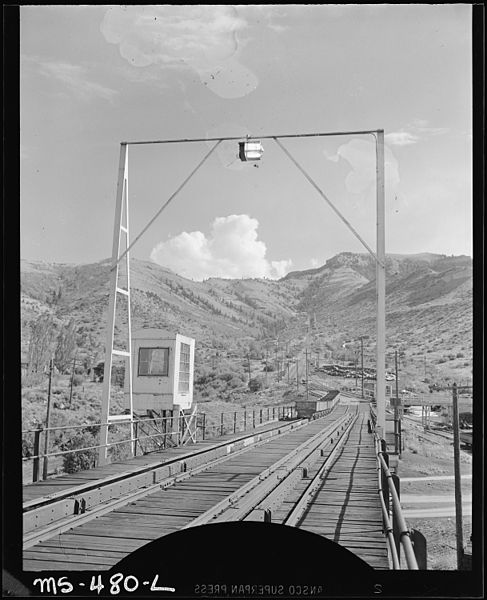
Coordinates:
<point>153,361</point>
<point>184,359</point>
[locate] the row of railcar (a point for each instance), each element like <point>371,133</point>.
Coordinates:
<point>317,407</point>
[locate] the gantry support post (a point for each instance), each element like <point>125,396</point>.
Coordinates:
<point>381,287</point>
<point>121,208</point>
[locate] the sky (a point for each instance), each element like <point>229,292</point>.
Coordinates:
<point>94,76</point>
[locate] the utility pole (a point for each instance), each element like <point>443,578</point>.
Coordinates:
<point>380,286</point>
<point>307,386</point>
<point>248,364</point>
<point>397,378</point>
<point>277,359</point>
<point>458,479</point>
<point>48,422</point>
<point>355,370</point>
<point>72,377</point>
<point>288,371</point>
<point>297,374</point>
<point>397,441</point>
<point>266,355</point>
<point>362,362</point>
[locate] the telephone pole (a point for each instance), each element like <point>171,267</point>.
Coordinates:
<point>458,480</point>
<point>307,386</point>
<point>72,377</point>
<point>48,422</point>
<point>362,362</point>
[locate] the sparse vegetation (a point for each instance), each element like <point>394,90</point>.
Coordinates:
<point>64,309</point>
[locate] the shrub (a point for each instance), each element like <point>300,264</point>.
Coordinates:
<point>255,384</point>
<point>82,460</point>
<point>226,376</point>
<point>77,380</point>
<point>119,452</point>
<point>235,381</point>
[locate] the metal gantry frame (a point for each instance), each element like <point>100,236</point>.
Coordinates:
<point>122,207</point>
<point>121,230</point>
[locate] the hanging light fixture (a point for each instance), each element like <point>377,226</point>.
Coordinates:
<point>250,150</point>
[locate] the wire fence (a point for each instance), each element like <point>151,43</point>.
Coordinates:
<point>47,452</point>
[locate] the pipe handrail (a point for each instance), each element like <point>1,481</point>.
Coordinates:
<point>387,522</point>
<point>166,434</point>
<point>143,420</point>
<point>404,532</point>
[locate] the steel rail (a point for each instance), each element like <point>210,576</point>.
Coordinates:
<point>308,494</point>
<point>258,486</point>
<point>62,525</point>
<point>269,494</point>
<point>197,452</point>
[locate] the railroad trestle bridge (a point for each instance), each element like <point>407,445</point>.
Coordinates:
<point>327,475</point>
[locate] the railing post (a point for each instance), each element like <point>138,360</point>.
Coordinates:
<point>273,413</point>
<point>253,418</point>
<point>204,424</point>
<point>136,431</point>
<point>420,549</point>
<point>221,426</point>
<point>36,475</point>
<point>245,420</point>
<point>261,416</point>
<point>234,422</point>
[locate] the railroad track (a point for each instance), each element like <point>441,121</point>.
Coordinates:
<point>431,435</point>
<point>244,484</point>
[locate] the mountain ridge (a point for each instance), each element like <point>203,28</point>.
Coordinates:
<point>426,293</point>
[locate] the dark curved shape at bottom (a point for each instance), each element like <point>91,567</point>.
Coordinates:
<point>241,559</point>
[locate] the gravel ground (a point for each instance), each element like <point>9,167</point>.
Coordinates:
<point>440,540</point>
<point>425,459</point>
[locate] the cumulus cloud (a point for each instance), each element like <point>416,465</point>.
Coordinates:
<point>232,250</point>
<point>202,37</point>
<point>360,155</point>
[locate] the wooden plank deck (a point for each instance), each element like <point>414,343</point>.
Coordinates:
<point>106,539</point>
<point>347,507</point>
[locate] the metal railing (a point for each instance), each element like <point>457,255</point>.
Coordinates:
<point>395,528</point>
<point>398,533</point>
<point>169,431</point>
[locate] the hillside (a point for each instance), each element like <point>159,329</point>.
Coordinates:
<point>428,302</point>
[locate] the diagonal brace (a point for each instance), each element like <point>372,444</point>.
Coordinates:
<point>173,195</point>
<point>333,207</point>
